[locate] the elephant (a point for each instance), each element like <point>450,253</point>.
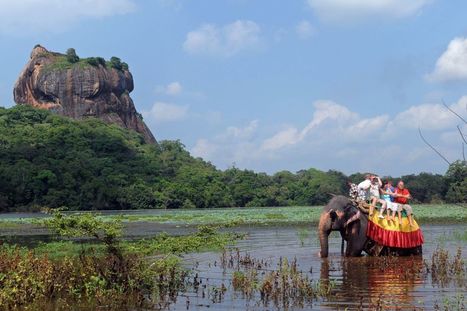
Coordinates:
<point>341,214</point>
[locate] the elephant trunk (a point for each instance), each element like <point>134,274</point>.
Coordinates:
<point>323,240</point>
<point>324,231</point>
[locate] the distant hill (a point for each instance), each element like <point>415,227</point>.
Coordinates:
<point>47,160</point>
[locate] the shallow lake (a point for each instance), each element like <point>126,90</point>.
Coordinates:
<point>356,282</point>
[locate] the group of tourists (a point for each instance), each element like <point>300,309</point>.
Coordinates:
<point>392,199</point>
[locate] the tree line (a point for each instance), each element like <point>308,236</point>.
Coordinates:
<point>51,161</point>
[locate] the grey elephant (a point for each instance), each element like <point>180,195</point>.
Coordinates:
<point>341,214</point>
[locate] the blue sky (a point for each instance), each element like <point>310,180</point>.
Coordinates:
<point>272,85</point>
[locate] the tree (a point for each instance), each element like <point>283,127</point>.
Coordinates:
<point>116,63</point>
<point>71,56</point>
<point>456,179</point>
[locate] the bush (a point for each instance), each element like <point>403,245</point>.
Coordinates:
<point>116,279</point>
<point>100,61</point>
<point>115,63</point>
<point>71,56</point>
<point>95,61</point>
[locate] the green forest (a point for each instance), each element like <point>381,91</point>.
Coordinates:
<point>49,161</point>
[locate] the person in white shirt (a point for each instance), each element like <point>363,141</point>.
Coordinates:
<point>375,196</point>
<point>369,191</point>
<point>364,188</point>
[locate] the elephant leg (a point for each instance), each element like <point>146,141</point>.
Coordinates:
<point>342,243</point>
<point>356,240</point>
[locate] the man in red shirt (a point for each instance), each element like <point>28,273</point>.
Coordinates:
<point>401,196</point>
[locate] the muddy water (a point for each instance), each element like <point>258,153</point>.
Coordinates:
<point>357,282</point>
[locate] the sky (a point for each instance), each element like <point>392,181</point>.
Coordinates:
<point>273,85</point>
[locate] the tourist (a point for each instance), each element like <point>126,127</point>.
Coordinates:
<point>375,196</point>
<point>353,190</point>
<point>369,192</point>
<point>388,191</point>
<point>364,188</point>
<point>401,197</point>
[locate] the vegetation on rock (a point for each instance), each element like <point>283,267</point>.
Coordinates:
<point>71,56</point>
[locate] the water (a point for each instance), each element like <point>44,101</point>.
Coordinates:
<point>358,281</point>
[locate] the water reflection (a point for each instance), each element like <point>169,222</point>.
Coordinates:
<point>371,282</point>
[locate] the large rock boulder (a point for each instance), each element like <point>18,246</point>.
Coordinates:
<point>79,89</point>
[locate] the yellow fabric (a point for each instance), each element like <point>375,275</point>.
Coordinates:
<point>393,225</point>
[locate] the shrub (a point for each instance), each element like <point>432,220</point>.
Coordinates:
<point>92,61</point>
<point>101,61</point>
<point>71,56</point>
<point>95,61</point>
<point>115,63</point>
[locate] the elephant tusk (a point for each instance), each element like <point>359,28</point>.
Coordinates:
<point>353,218</point>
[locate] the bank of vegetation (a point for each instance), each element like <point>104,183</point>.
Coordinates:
<point>52,161</point>
<point>101,270</point>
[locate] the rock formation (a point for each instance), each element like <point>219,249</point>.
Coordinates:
<point>79,89</point>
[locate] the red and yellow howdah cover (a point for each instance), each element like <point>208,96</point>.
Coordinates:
<point>390,233</point>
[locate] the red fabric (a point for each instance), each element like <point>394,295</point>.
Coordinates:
<point>394,238</point>
<point>402,192</point>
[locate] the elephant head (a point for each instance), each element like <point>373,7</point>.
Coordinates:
<point>341,215</point>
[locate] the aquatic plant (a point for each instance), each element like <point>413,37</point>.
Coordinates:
<point>444,268</point>
<point>285,287</point>
<point>112,277</point>
<point>27,278</point>
<point>206,238</point>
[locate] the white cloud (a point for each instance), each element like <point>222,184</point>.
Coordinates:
<point>225,41</point>
<point>233,145</point>
<point>173,88</point>
<point>337,137</point>
<point>242,132</point>
<point>34,16</point>
<point>166,112</point>
<point>305,30</point>
<point>330,121</point>
<point>452,64</point>
<point>354,10</point>
<point>288,136</point>
<point>203,149</point>
<point>431,116</point>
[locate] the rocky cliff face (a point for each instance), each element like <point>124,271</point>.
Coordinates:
<point>78,90</point>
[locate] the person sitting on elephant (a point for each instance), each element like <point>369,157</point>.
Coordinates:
<point>353,190</point>
<point>375,197</point>
<point>364,188</point>
<point>401,197</point>
<point>388,191</point>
